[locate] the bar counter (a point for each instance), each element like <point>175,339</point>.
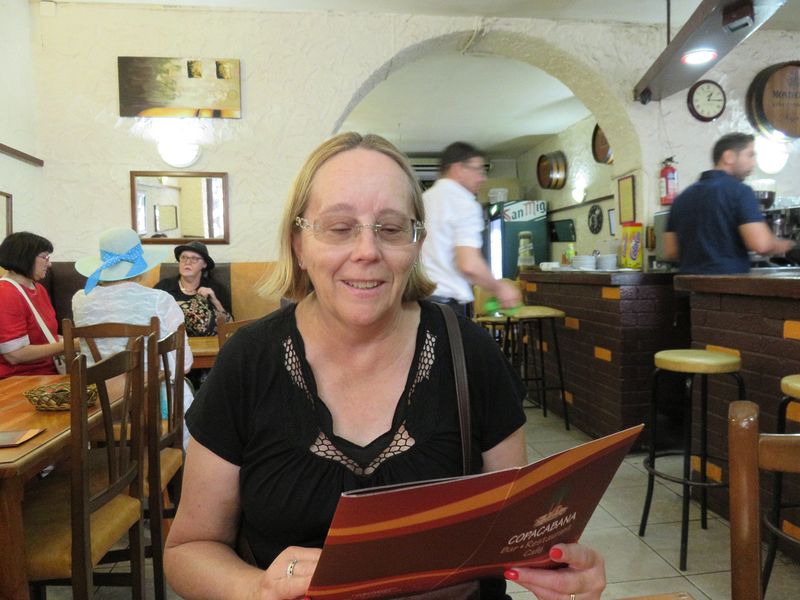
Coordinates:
<point>615,322</point>
<point>757,317</point>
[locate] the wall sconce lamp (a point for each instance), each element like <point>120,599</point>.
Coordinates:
<point>178,154</point>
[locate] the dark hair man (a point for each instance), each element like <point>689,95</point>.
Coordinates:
<point>454,223</point>
<point>716,220</point>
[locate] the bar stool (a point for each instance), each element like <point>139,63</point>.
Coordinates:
<point>690,362</point>
<point>521,330</point>
<point>790,386</point>
<point>496,324</point>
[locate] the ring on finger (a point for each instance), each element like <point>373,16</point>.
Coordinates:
<point>293,562</point>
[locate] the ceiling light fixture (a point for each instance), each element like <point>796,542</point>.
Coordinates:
<point>700,56</point>
<point>715,24</point>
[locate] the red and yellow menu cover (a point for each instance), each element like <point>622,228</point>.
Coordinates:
<point>404,539</point>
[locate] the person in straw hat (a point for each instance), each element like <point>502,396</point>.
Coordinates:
<point>113,292</point>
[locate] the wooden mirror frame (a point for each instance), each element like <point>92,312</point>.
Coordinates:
<point>9,224</point>
<point>225,239</point>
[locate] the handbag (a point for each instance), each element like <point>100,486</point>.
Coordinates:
<point>468,590</point>
<point>58,359</point>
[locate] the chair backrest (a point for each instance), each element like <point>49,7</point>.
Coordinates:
<point>172,436</point>
<point>748,452</point>
<point>226,329</point>
<point>123,460</point>
<point>91,333</point>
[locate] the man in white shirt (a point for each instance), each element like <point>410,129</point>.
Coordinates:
<point>454,224</point>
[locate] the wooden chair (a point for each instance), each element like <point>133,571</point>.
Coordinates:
<point>164,442</point>
<point>226,329</point>
<point>72,522</point>
<point>748,452</point>
<point>165,465</point>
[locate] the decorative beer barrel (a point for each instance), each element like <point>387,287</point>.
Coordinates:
<point>551,170</point>
<point>773,100</point>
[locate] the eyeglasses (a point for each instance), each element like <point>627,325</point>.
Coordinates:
<point>339,231</point>
<point>475,168</point>
<point>44,257</point>
<point>190,259</point>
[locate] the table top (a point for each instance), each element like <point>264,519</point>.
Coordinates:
<point>17,413</point>
<point>204,346</point>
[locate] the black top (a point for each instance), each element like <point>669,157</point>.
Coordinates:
<point>199,314</point>
<point>259,410</point>
<point>706,217</point>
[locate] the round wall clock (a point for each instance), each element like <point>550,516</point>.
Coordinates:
<point>706,100</point>
<point>595,219</point>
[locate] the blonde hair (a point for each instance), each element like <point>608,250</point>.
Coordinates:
<point>287,279</point>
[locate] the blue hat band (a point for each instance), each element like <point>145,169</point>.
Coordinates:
<point>110,259</point>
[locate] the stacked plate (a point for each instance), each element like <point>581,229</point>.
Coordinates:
<point>586,262</point>
<point>607,262</point>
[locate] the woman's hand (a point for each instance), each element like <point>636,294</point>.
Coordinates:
<point>289,575</point>
<point>208,293</point>
<point>584,577</point>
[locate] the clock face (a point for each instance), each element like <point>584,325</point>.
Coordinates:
<point>706,100</point>
<point>595,219</point>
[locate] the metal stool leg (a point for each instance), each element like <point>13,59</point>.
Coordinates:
<point>557,350</point>
<point>703,450</point>
<point>651,455</point>
<point>687,470</point>
<point>542,374</point>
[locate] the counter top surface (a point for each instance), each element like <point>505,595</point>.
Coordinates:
<point>778,282</point>
<point>599,277</point>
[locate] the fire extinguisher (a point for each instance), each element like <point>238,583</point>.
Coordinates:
<point>668,181</point>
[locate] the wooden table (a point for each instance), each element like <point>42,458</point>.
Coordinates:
<point>20,464</point>
<point>204,350</point>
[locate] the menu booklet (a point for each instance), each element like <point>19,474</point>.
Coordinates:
<point>10,439</point>
<point>409,538</point>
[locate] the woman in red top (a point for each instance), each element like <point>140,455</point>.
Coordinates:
<point>24,347</point>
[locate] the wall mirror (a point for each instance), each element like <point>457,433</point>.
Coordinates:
<point>5,214</point>
<point>175,207</point>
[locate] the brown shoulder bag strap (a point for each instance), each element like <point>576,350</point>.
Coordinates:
<point>462,388</point>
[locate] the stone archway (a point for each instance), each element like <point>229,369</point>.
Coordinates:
<point>586,84</point>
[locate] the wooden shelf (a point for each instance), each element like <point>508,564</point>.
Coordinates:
<point>20,155</point>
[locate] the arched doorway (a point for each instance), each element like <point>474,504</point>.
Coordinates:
<point>587,85</point>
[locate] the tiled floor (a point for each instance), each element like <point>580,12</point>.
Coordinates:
<point>634,566</point>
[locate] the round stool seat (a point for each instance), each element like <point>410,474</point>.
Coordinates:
<point>790,386</point>
<point>491,320</point>
<point>697,361</point>
<point>538,312</point>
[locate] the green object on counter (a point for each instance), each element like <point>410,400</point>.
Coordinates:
<point>492,305</point>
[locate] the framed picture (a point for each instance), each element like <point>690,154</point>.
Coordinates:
<point>166,217</point>
<point>612,221</point>
<point>179,87</point>
<point>626,192</point>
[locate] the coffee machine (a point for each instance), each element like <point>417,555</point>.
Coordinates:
<point>782,215</point>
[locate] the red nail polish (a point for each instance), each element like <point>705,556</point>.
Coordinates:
<point>556,553</point>
<point>511,574</point>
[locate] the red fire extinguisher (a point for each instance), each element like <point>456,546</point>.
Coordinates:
<point>668,181</point>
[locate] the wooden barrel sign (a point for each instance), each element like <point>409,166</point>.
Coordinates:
<point>551,170</point>
<point>773,100</point>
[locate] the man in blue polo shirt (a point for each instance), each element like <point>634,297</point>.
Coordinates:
<point>715,221</point>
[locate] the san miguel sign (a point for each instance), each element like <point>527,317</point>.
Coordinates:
<point>773,100</point>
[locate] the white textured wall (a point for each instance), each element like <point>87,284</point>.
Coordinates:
<point>300,73</point>
<point>575,143</point>
<point>17,115</point>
